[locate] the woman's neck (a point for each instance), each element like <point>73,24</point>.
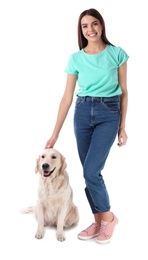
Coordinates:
<point>92,48</point>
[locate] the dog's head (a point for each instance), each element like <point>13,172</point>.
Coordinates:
<point>49,162</point>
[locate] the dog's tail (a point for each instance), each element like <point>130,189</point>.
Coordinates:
<point>27,210</point>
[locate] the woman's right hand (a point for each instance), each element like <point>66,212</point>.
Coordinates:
<point>51,142</point>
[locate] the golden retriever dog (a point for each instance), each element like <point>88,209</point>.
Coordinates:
<point>55,206</point>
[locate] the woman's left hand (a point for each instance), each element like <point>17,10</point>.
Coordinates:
<point>122,137</point>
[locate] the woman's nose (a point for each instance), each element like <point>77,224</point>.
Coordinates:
<point>90,28</point>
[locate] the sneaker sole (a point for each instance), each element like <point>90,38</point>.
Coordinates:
<point>86,238</point>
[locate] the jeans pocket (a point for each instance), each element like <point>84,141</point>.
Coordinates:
<point>79,101</point>
<point>112,105</point>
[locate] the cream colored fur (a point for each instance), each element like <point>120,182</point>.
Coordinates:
<point>55,206</point>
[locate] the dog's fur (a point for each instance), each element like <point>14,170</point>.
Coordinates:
<point>55,206</point>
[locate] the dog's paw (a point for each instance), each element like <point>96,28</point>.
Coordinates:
<point>60,237</point>
<point>39,234</point>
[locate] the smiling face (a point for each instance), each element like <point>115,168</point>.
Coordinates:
<point>91,28</point>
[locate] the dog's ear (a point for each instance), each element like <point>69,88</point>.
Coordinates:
<point>37,165</point>
<point>63,164</point>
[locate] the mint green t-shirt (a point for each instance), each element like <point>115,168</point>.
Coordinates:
<point>97,73</point>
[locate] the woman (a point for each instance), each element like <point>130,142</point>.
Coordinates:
<point>100,70</point>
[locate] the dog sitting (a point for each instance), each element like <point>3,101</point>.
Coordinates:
<point>55,206</point>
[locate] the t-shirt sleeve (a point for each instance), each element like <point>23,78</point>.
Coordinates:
<point>122,57</point>
<point>71,68</point>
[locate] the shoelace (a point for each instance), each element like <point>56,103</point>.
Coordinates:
<point>91,226</point>
<point>103,228</point>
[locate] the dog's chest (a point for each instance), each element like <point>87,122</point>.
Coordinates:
<point>46,192</point>
<point>50,195</point>
<point>50,200</point>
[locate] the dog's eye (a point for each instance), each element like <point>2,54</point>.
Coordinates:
<point>43,156</point>
<point>54,157</point>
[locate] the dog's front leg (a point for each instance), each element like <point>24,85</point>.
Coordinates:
<point>60,224</point>
<point>40,219</point>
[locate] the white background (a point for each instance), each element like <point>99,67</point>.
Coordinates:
<point>36,39</point>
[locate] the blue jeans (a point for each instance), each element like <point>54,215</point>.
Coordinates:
<point>96,124</point>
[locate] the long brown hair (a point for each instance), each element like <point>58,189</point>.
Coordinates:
<point>82,41</point>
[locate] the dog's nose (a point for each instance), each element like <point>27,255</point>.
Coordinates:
<point>45,166</point>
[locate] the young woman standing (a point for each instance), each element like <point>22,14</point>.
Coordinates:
<point>100,69</point>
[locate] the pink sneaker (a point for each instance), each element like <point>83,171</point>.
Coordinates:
<point>90,232</point>
<point>106,231</point>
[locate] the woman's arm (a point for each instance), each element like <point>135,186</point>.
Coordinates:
<point>122,136</point>
<point>64,106</point>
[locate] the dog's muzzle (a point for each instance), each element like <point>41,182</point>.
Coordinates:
<point>46,169</point>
